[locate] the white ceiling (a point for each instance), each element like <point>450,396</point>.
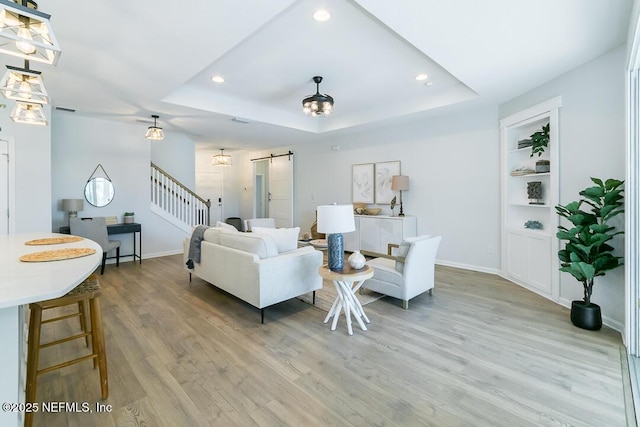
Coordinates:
<point>125,60</point>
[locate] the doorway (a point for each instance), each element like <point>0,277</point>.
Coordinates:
<point>261,197</point>
<point>7,183</point>
<point>273,189</point>
<point>209,185</point>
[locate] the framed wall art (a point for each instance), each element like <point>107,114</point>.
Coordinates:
<point>384,172</point>
<point>362,183</point>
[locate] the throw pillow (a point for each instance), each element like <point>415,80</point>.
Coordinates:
<point>286,238</point>
<point>403,250</point>
<point>226,226</point>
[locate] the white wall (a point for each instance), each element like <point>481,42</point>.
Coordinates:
<point>32,172</point>
<point>79,144</point>
<point>592,144</point>
<point>452,162</point>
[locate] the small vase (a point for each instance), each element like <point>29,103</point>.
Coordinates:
<point>356,260</point>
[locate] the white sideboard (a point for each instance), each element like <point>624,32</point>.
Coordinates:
<point>374,233</point>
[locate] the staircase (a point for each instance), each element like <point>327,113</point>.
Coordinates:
<point>175,203</point>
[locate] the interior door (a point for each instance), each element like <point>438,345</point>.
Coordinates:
<point>209,185</point>
<point>5,186</point>
<point>281,190</point>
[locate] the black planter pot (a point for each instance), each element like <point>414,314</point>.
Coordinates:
<point>586,316</point>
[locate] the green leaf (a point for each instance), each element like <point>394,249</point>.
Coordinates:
<point>611,183</point>
<point>597,181</point>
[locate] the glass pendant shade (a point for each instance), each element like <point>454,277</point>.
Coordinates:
<point>23,85</point>
<point>28,113</point>
<point>221,159</point>
<point>154,132</point>
<point>26,32</point>
<point>317,104</point>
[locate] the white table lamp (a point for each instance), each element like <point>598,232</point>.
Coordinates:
<point>400,183</point>
<point>334,220</point>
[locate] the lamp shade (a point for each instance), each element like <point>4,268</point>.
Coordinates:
<point>72,205</point>
<point>400,182</point>
<point>336,219</point>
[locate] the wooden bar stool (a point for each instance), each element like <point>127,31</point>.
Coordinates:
<point>87,296</point>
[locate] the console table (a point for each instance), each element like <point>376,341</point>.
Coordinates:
<point>374,232</point>
<point>122,228</point>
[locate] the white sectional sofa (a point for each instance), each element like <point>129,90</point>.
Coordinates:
<point>249,266</point>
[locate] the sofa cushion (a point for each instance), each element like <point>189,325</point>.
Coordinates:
<point>262,245</point>
<point>212,234</point>
<point>229,227</point>
<point>286,238</point>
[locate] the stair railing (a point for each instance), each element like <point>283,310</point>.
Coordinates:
<point>175,198</point>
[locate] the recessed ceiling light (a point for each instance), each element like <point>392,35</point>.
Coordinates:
<point>321,15</point>
<point>421,77</point>
<point>218,79</point>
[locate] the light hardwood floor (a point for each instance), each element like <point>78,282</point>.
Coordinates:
<point>479,352</point>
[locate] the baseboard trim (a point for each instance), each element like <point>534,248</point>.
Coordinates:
<point>161,254</point>
<point>468,267</point>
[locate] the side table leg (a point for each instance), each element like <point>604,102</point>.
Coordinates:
<point>333,310</point>
<point>356,308</point>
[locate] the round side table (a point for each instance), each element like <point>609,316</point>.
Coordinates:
<point>347,282</point>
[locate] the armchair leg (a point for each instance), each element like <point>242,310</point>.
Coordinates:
<point>118,256</point>
<point>314,297</point>
<point>405,304</point>
<point>431,292</point>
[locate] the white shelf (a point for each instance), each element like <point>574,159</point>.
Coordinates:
<point>521,150</point>
<point>528,205</point>
<point>529,256</point>
<point>529,175</point>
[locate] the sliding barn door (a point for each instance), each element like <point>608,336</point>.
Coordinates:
<point>281,190</point>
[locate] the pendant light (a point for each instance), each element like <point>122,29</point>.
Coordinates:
<point>154,132</point>
<point>221,159</point>
<point>28,113</point>
<point>23,84</point>
<point>26,32</point>
<point>318,105</point>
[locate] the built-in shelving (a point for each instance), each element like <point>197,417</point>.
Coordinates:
<point>529,256</point>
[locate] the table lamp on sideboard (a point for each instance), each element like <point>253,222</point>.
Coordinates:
<point>334,220</point>
<point>400,183</point>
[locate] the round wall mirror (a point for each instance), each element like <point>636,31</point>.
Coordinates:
<point>99,191</point>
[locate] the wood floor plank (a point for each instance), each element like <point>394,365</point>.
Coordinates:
<point>481,351</point>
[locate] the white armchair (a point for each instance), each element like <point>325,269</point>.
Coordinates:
<point>407,275</point>
<point>259,222</point>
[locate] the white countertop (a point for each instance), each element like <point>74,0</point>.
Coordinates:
<point>26,282</point>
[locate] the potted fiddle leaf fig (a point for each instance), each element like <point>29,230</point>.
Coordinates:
<point>587,253</point>
<point>539,140</point>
